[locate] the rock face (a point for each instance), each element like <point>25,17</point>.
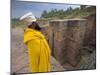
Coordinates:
<point>67,36</point>
<point>90,35</point>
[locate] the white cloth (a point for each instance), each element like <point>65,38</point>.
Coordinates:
<point>28,18</point>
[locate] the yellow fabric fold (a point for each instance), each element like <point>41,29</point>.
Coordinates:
<point>38,50</point>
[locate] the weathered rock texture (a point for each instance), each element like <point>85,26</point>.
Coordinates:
<point>67,36</point>
<point>90,35</point>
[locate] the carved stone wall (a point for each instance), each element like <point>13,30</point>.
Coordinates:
<point>67,38</point>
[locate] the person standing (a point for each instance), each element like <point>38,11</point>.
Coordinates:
<point>38,48</point>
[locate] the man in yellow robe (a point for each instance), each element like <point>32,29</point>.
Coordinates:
<point>38,48</point>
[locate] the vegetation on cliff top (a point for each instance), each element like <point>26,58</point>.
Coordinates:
<point>83,11</point>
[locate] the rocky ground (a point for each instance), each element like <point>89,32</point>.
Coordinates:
<point>20,61</point>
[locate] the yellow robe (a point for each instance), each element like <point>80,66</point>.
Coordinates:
<point>38,50</point>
